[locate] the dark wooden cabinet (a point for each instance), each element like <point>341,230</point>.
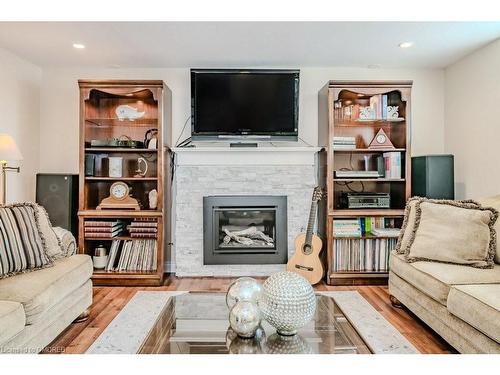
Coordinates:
<point>337,120</point>
<point>149,104</point>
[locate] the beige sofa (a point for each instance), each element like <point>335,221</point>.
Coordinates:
<point>460,303</point>
<point>35,307</point>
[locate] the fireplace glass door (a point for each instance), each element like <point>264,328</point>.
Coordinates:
<point>245,230</point>
<point>250,230</point>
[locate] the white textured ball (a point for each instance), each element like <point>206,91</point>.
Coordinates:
<point>288,302</point>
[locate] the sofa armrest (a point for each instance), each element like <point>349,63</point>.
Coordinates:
<point>68,241</point>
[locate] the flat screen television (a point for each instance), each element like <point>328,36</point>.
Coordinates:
<point>254,104</point>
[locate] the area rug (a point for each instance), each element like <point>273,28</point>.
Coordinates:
<point>126,333</point>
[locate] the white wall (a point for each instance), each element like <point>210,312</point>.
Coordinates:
<point>20,117</point>
<point>472,126</point>
<point>59,106</point>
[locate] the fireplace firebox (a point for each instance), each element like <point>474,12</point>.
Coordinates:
<point>245,229</point>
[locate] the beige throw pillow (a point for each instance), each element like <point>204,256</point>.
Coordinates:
<point>68,241</point>
<point>52,243</point>
<point>495,203</point>
<point>408,226</point>
<point>452,232</point>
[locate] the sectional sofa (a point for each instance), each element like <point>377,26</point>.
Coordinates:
<point>460,303</point>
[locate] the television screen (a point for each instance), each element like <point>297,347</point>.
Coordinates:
<point>260,103</point>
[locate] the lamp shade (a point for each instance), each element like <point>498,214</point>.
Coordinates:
<point>8,148</point>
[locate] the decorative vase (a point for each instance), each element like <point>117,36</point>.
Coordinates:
<point>244,318</point>
<point>115,166</point>
<point>243,289</point>
<point>288,302</point>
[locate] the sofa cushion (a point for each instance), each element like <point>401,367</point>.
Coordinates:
<point>38,291</point>
<point>12,320</point>
<point>478,305</point>
<point>453,232</point>
<point>495,203</point>
<point>435,279</point>
<point>21,242</point>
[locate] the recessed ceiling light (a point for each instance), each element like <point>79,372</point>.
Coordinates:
<point>78,46</point>
<point>405,44</point>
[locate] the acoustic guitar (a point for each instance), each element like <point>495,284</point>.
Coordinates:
<point>306,261</point>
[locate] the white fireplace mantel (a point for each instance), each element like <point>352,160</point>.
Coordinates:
<point>263,155</point>
<point>216,171</point>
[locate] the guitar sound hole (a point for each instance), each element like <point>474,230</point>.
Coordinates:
<point>306,249</point>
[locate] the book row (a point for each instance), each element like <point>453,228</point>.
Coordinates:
<point>136,256</point>
<point>377,226</point>
<point>362,254</point>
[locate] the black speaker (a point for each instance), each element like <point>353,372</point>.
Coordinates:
<point>58,194</point>
<point>432,176</point>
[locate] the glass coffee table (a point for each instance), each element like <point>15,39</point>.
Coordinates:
<point>197,323</point>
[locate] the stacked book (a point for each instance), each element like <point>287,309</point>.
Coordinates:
<point>392,162</point>
<point>362,255</point>
<point>347,228</point>
<point>344,143</point>
<point>341,173</point>
<point>143,228</point>
<point>132,256</point>
<point>103,229</point>
<point>386,232</point>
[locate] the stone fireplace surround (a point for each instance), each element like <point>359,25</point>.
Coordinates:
<point>212,171</point>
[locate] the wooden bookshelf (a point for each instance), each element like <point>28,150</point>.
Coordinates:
<point>98,121</point>
<point>333,98</point>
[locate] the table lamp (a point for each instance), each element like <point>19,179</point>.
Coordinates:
<point>8,151</point>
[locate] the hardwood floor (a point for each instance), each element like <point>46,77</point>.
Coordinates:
<point>108,301</point>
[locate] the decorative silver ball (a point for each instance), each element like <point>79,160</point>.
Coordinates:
<point>243,289</point>
<point>288,302</point>
<point>244,318</point>
<point>296,344</point>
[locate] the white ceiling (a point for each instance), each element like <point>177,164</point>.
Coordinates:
<point>211,44</point>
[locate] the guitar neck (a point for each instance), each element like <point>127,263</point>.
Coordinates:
<point>310,223</point>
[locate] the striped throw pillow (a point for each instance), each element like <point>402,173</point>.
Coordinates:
<point>21,242</point>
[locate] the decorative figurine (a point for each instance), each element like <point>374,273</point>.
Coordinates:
<point>126,112</point>
<point>153,199</point>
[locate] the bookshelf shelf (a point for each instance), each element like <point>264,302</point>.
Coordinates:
<point>106,122</point>
<point>373,212</point>
<point>119,213</point>
<point>340,103</point>
<point>371,179</point>
<point>121,178</point>
<point>365,237</point>
<point>370,150</point>
<point>99,150</point>
<point>98,103</point>
<point>118,238</point>
<point>376,123</point>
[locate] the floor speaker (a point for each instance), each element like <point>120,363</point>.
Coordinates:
<point>58,194</point>
<point>432,176</point>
